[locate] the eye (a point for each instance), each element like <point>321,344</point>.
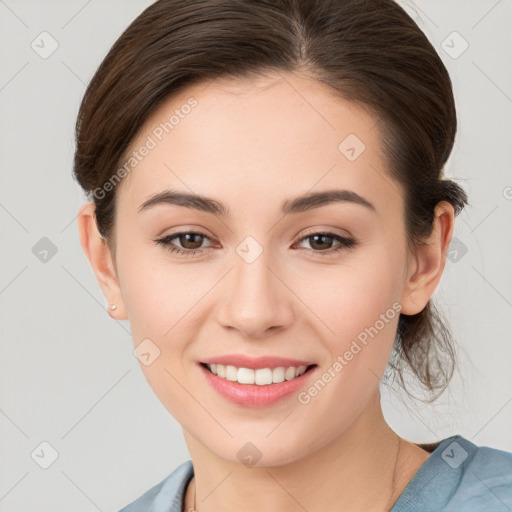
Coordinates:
<point>323,241</point>
<point>191,242</point>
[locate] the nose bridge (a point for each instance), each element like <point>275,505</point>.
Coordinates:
<point>255,299</point>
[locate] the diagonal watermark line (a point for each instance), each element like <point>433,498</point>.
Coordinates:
<point>416,6</point>
<point>111,388</point>
<point>3,3</point>
<point>14,76</point>
<point>489,489</point>
<point>465,222</point>
<point>217,486</point>
<point>76,14</point>
<point>285,490</point>
<point>81,491</point>
<point>68,224</point>
<point>199,300</point>
<point>484,218</point>
<point>492,81</point>
<point>199,403</point>
<point>485,15</point>
<point>73,73</point>
<point>14,423</point>
<point>280,423</point>
<point>95,299</point>
<point>503,407</point>
<point>484,278</point>
<point>421,420</point>
<point>13,279</point>
<point>14,485</point>
<point>14,218</point>
<point>301,300</point>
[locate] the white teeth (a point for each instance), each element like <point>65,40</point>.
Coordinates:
<point>263,376</point>
<point>278,375</point>
<point>260,376</point>
<point>289,374</point>
<point>231,373</point>
<point>246,376</point>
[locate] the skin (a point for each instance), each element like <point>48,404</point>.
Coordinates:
<point>252,146</point>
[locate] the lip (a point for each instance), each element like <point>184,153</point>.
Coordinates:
<point>244,361</point>
<point>253,395</point>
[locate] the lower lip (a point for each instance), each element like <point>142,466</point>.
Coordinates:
<point>252,394</point>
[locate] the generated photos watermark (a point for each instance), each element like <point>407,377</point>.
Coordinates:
<point>151,142</point>
<point>357,345</point>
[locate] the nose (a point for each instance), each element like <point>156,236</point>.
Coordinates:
<point>255,301</point>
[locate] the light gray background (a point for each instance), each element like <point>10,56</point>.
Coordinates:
<point>68,375</point>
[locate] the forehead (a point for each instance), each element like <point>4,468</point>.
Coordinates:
<point>268,138</point>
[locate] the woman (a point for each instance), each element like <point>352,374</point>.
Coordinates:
<point>268,210</point>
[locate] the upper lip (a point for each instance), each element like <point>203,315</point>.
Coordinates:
<point>244,361</point>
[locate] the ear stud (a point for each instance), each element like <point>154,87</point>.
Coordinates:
<point>112,307</point>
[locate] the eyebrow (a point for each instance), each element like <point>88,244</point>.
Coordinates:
<point>299,204</point>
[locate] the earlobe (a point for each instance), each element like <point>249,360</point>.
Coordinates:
<point>426,268</point>
<point>100,258</point>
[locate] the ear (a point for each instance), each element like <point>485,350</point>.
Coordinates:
<point>426,267</point>
<point>98,253</point>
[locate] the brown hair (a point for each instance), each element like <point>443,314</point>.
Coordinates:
<point>369,52</point>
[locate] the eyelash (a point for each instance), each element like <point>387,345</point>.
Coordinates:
<point>344,243</point>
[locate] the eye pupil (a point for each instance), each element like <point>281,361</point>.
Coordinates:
<point>326,245</point>
<point>188,238</point>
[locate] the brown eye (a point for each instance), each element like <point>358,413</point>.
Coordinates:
<point>323,243</point>
<point>190,241</point>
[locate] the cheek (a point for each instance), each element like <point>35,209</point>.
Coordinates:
<point>158,295</point>
<point>359,308</point>
<point>363,311</point>
<point>356,294</point>
<point>160,307</point>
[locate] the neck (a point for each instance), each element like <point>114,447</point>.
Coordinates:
<point>365,468</point>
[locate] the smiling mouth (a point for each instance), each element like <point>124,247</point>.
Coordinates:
<point>258,376</point>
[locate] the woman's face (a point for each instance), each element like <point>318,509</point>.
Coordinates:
<point>261,283</point>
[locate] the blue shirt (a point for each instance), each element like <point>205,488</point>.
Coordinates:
<point>458,476</point>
